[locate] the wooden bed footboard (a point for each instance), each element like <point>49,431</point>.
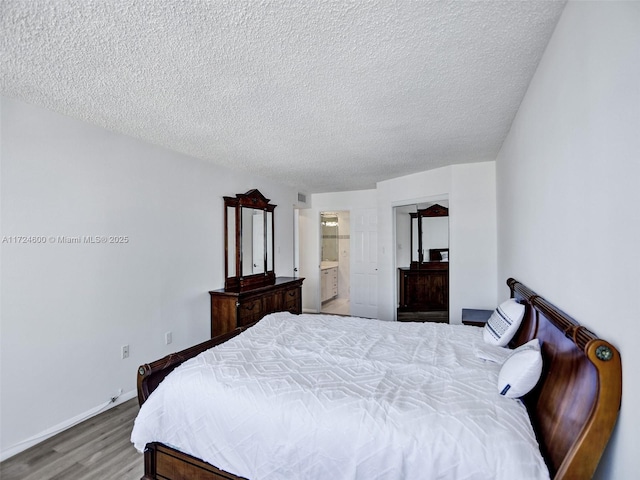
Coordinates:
<point>162,462</point>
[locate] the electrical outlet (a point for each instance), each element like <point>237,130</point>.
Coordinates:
<point>168,338</point>
<point>125,351</point>
<point>116,396</point>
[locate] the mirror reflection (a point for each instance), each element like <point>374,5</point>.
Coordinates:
<point>415,250</point>
<point>429,234</point>
<point>329,224</point>
<point>435,237</point>
<point>253,244</point>
<point>269,241</point>
<point>231,241</point>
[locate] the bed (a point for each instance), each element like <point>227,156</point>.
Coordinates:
<point>568,416</point>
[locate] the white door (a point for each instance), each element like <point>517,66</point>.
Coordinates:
<point>364,263</point>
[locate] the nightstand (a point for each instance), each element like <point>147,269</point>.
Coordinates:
<point>475,317</point>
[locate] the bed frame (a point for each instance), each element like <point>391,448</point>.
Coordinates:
<point>573,408</point>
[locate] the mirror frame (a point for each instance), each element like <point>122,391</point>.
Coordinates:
<point>434,210</point>
<point>233,206</point>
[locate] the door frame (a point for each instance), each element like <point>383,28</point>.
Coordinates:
<point>338,211</point>
<point>405,203</point>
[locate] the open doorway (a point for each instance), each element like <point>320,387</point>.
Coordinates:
<point>422,258</point>
<point>334,262</point>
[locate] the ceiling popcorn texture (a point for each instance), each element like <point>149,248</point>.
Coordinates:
<point>321,95</point>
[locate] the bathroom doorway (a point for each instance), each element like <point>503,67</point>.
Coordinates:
<point>334,262</point>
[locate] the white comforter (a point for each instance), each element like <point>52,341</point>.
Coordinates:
<point>324,397</point>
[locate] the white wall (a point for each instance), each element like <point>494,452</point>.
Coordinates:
<point>568,181</point>
<point>67,308</point>
<point>470,189</point>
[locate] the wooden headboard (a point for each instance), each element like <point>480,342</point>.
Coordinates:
<point>575,405</point>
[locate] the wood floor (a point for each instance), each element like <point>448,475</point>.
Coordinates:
<point>97,449</point>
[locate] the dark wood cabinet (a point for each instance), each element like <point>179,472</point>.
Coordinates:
<point>232,309</point>
<point>424,293</point>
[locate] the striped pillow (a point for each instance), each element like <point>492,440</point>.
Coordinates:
<point>503,323</point>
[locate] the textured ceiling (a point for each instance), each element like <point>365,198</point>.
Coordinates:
<point>321,95</point>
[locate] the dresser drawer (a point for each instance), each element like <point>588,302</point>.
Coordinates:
<point>233,309</point>
<point>250,311</point>
<point>292,300</point>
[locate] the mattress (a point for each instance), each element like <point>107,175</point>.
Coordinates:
<point>320,396</point>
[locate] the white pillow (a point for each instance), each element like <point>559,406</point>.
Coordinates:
<point>521,371</point>
<point>503,323</point>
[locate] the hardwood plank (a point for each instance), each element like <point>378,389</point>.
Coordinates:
<point>97,449</point>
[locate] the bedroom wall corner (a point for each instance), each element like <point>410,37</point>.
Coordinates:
<point>567,177</point>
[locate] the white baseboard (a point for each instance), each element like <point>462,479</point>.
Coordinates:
<point>50,432</point>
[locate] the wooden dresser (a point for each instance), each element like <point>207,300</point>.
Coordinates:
<point>424,293</point>
<point>230,310</point>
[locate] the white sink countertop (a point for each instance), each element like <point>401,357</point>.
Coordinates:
<point>325,265</point>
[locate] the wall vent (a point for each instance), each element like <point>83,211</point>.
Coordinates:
<point>302,198</point>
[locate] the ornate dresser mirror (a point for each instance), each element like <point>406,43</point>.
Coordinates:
<point>249,245</point>
<point>251,289</point>
<point>429,235</point>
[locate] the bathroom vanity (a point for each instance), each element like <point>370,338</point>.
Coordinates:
<point>329,280</point>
